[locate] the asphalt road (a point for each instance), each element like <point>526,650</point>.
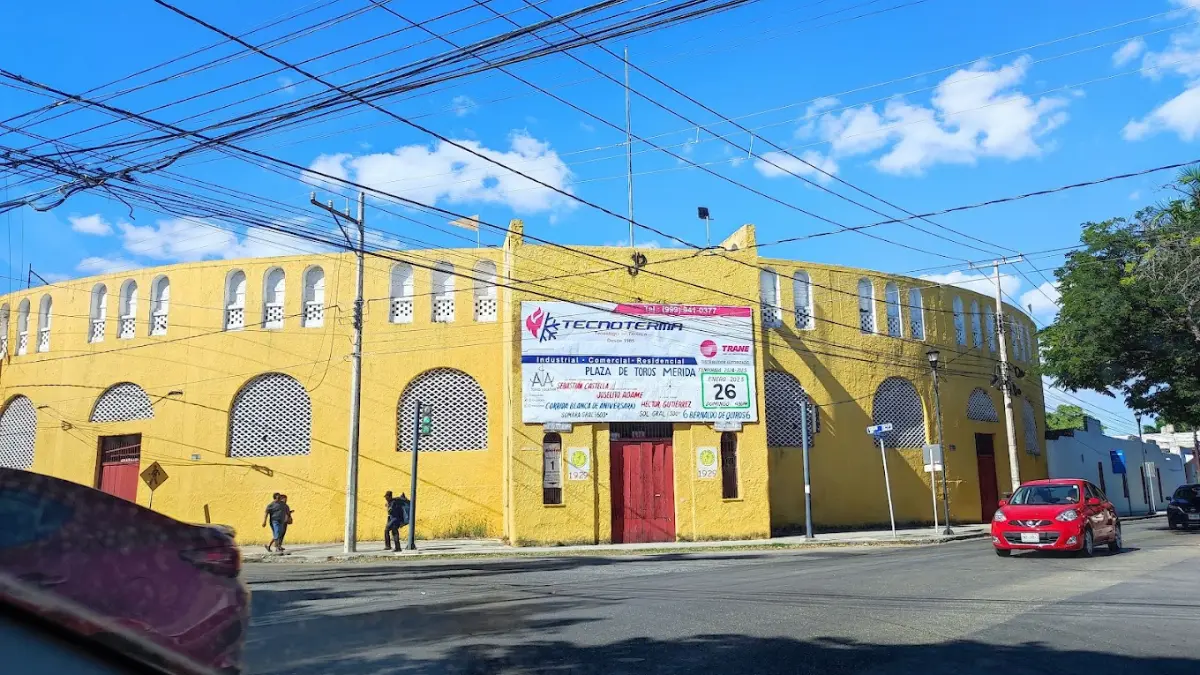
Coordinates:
<point>955,608</point>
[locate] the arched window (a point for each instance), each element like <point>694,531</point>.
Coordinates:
<point>891,296</point>
<point>990,323</point>
<point>4,313</point>
<point>18,432</point>
<point>1015,331</point>
<point>121,403</point>
<point>980,406</point>
<point>976,327</point>
<point>785,402</point>
<point>160,305</point>
<point>274,298</point>
<point>442,282</point>
<point>802,298</point>
<point>960,322</point>
<point>314,298</point>
<point>552,474</point>
<point>98,313</point>
<point>866,306</point>
<point>127,310</point>
<point>1031,346</point>
<point>23,328</point>
<point>485,291</point>
<point>460,415</point>
<point>916,314</point>
<point>402,294</point>
<point>729,465</point>
<point>1029,421</point>
<point>271,416</point>
<point>768,294</point>
<point>897,402</point>
<point>235,300</point>
<point>43,344</point>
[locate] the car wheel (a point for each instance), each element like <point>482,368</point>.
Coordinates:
<point>1170,524</point>
<point>1115,545</point>
<point>1089,544</point>
<point>1003,552</point>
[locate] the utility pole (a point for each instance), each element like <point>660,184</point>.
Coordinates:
<point>1146,488</point>
<point>933,355</point>
<point>350,536</point>
<point>628,148</point>
<point>808,527</point>
<point>1006,384</point>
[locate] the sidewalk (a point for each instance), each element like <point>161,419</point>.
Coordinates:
<point>372,551</point>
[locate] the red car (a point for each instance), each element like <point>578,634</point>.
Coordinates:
<point>1059,514</point>
<point>174,584</point>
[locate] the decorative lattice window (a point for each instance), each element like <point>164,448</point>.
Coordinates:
<point>1029,422</point>
<point>802,299</point>
<point>121,403</point>
<point>1031,346</point>
<point>896,401</point>
<point>314,298</point>
<point>127,328</point>
<point>235,300</point>
<point>990,322</point>
<point>960,322</point>
<point>23,343</point>
<point>980,407</point>
<point>460,415</point>
<point>485,291</point>
<point>18,431</point>
<point>274,298</point>
<point>916,314</point>
<point>98,313</point>
<point>127,310</point>
<point>768,294</point>
<point>23,328</point>
<point>271,416</point>
<point>785,403</point>
<point>976,328</point>
<point>401,310</point>
<point>160,305</point>
<point>443,292</point>
<point>4,313</point>
<point>891,296</point>
<point>44,306</point>
<point>866,306</point>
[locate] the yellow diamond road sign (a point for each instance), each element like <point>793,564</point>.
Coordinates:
<point>154,475</point>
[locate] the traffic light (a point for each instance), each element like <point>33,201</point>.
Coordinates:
<point>426,426</point>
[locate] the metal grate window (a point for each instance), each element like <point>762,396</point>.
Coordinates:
<point>768,292</point>
<point>271,416</point>
<point>729,467</point>
<point>980,407</point>
<point>960,322</point>
<point>895,324</point>
<point>402,310</point>
<point>18,431</point>
<point>916,314</point>
<point>784,402</point>
<point>896,401</point>
<point>866,306</point>
<point>121,403</point>
<point>802,298</point>
<point>1029,421</point>
<point>128,328</point>
<point>460,415</point>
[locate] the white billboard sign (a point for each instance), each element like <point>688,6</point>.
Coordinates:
<point>606,362</point>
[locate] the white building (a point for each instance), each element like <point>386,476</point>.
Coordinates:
<point>1182,444</point>
<point>1085,453</point>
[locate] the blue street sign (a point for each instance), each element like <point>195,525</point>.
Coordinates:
<point>1118,460</point>
<point>879,429</point>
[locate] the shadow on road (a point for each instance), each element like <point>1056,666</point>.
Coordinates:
<point>724,653</point>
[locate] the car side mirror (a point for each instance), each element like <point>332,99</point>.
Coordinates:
<point>1003,502</point>
<point>1092,501</point>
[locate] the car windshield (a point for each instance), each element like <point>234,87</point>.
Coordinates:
<point>1188,492</point>
<point>1046,495</point>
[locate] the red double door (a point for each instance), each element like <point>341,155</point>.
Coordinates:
<point>120,464</point>
<point>643,491</point>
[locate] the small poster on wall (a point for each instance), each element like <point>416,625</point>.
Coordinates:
<point>579,463</point>
<point>706,463</point>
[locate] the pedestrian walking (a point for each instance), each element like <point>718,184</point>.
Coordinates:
<point>279,514</point>
<point>397,517</point>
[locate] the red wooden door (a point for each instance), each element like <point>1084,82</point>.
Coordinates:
<point>985,458</point>
<point>120,464</point>
<point>643,491</point>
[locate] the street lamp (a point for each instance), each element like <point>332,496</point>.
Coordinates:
<point>933,356</point>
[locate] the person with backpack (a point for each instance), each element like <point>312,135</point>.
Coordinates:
<point>397,517</point>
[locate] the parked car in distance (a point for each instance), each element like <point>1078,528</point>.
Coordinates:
<point>1057,514</point>
<point>1184,508</point>
<point>171,583</point>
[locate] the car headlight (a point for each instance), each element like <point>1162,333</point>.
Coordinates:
<point>1068,515</point>
<point>999,517</point>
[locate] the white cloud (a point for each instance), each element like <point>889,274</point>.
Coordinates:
<point>1181,58</point>
<point>1129,51</point>
<point>1042,302</point>
<point>99,265</point>
<point>1180,115</point>
<point>976,112</point>
<point>1135,195</point>
<point>93,224</point>
<point>287,84</point>
<point>185,240</point>
<point>779,164</point>
<point>445,173</point>
<point>462,105</point>
<point>976,282</point>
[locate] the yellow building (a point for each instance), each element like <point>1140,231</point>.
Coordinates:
<point>234,376</point>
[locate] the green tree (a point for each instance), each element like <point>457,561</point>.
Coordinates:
<point>1122,328</point>
<point>1065,416</point>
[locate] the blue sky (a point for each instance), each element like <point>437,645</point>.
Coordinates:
<point>904,103</point>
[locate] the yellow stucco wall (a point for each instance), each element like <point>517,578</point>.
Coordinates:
<point>494,491</point>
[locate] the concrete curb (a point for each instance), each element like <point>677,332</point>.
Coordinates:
<point>767,545</point>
